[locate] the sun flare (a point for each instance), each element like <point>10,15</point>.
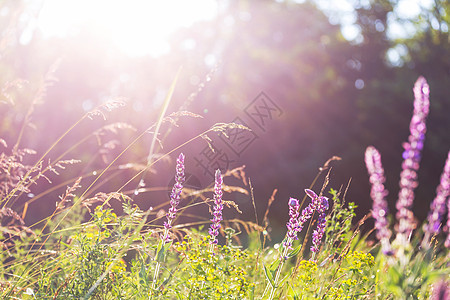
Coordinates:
<point>137,27</point>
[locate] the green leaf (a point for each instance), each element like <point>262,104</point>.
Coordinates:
<point>396,290</point>
<point>161,251</point>
<point>179,295</point>
<point>433,275</point>
<point>274,266</point>
<point>143,278</point>
<point>269,276</point>
<point>394,274</point>
<point>165,282</point>
<point>285,278</point>
<point>295,295</point>
<point>295,251</point>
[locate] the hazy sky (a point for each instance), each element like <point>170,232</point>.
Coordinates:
<point>151,22</point>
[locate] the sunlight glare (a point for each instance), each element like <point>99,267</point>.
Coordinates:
<point>137,27</point>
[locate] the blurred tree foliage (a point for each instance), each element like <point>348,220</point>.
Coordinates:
<point>387,94</point>
<point>337,96</point>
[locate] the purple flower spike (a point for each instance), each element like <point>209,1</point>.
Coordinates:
<point>411,155</point>
<point>175,196</point>
<point>306,214</point>
<point>317,203</point>
<point>447,241</point>
<point>218,207</point>
<point>441,290</point>
<point>320,204</point>
<point>293,223</point>
<point>378,193</point>
<point>318,233</point>
<point>311,194</point>
<point>437,207</point>
<point>309,210</point>
<point>322,207</point>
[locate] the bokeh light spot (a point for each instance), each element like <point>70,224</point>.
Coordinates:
<point>359,84</point>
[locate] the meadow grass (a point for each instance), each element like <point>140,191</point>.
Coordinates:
<point>134,255</point>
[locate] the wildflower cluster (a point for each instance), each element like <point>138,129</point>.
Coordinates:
<point>413,268</point>
<point>221,276</point>
<point>348,278</point>
<point>295,225</point>
<point>358,262</point>
<point>408,181</point>
<point>355,272</point>
<point>305,277</point>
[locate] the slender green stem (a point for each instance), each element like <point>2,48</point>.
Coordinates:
<point>158,264</point>
<point>282,259</point>
<point>211,248</point>
<point>277,275</point>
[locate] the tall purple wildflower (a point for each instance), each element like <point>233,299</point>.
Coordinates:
<point>412,156</point>
<point>293,223</point>
<point>297,221</point>
<point>175,196</point>
<point>321,207</point>
<point>308,211</point>
<point>447,241</point>
<point>441,290</point>
<point>437,207</point>
<point>378,194</point>
<point>218,207</point>
<point>320,204</point>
